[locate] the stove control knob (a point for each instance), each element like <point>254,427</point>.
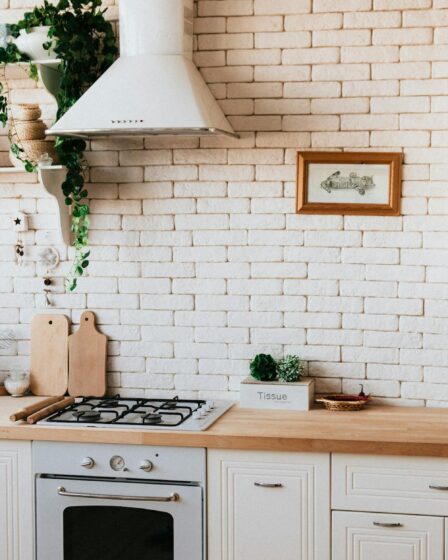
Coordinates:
<point>88,463</point>
<point>146,466</point>
<point>211,405</point>
<point>207,407</point>
<point>197,414</point>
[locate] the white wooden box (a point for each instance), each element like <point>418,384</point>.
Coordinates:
<point>276,395</point>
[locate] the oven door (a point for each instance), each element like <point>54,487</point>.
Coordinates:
<point>88,519</point>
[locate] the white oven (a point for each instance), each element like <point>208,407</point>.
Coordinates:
<point>119,502</point>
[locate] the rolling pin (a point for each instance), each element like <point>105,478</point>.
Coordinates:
<point>32,408</point>
<point>41,414</point>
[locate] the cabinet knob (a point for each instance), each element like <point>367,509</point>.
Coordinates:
<point>387,525</point>
<point>268,484</point>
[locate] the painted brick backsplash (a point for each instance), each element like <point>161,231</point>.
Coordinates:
<point>198,258</point>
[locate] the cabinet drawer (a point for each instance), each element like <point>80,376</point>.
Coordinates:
<point>373,536</point>
<point>390,484</point>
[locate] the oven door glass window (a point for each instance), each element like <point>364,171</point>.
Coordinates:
<point>98,519</point>
<point>91,533</point>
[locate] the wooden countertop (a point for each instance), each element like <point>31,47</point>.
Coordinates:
<point>377,430</point>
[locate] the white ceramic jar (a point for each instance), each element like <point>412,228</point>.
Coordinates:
<point>31,43</point>
<point>17,383</point>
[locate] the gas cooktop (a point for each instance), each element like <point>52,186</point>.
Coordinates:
<point>153,414</point>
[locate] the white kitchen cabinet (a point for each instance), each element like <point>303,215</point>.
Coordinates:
<point>16,501</point>
<point>266,506</point>
<point>373,536</point>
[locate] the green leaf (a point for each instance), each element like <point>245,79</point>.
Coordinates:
<point>30,167</point>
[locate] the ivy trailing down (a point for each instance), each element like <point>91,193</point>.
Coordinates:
<point>84,41</point>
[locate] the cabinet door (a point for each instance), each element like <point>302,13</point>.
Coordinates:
<point>268,506</point>
<point>16,501</point>
<point>370,536</point>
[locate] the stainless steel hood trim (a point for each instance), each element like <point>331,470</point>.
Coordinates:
<point>87,134</point>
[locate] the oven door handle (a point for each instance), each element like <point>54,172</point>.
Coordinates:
<point>174,497</point>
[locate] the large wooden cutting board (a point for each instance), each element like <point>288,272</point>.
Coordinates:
<point>49,355</point>
<point>87,350</point>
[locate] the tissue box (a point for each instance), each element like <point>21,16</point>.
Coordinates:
<point>276,395</point>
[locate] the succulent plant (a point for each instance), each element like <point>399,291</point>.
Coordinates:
<point>263,367</point>
<point>290,369</point>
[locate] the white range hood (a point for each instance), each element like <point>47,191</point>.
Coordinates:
<point>154,88</point>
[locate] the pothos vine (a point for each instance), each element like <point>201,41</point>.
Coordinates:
<point>84,42</point>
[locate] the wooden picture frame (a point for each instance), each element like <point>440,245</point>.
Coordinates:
<point>346,178</point>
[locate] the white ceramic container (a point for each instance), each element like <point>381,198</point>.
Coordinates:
<point>277,395</point>
<point>17,383</point>
<point>32,42</point>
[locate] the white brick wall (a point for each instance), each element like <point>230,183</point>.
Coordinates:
<point>198,258</point>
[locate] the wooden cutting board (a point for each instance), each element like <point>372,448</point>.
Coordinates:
<point>87,351</point>
<point>49,355</point>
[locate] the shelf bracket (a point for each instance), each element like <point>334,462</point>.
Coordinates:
<point>51,179</point>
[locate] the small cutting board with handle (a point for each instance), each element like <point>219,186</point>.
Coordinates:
<point>49,355</point>
<point>87,351</point>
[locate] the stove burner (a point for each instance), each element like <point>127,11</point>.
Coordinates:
<point>86,415</point>
<point>109,404</point>
<point>152,418</point>
<point>171,404</point>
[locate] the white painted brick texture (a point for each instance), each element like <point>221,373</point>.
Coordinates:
<point>198,258</point>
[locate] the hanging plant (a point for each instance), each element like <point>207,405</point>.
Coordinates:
<point>84,42</point>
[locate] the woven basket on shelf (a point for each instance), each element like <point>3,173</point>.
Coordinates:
<point>29,130</point>
<point>26,112</point>
<point>341,403</point>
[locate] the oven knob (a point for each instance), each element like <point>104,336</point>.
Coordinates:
<point>87,463</point>
<point>197,414</point>
<point>146,466</point>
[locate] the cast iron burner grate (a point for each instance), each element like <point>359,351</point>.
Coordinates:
<point>119,411</point>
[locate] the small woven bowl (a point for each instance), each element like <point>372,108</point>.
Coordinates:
<point>26,112</point>
<point>29,130</point>
<point>344,403</point>
<point>34,149</point>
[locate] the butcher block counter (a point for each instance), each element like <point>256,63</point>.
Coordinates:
<point>376,430</point>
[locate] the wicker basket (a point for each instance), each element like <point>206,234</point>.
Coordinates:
<point>34,149</point>
<point>344,403</point>
<point>29,130</point>
<point>26,112</point>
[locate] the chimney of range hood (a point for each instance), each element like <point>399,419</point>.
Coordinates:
<point>154,88</point>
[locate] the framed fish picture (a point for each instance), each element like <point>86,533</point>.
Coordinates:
<point>358,183</point>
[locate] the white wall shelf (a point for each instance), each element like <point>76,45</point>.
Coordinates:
<point>11,169</point>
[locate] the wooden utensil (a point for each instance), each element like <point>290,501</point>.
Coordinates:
<point>87,350</point>
<point>49,355</point>
<point>41,414</point>
<point>32,408</point>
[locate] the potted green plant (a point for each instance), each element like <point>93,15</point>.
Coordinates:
<point>277,384</point>
<point>77,34</point>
